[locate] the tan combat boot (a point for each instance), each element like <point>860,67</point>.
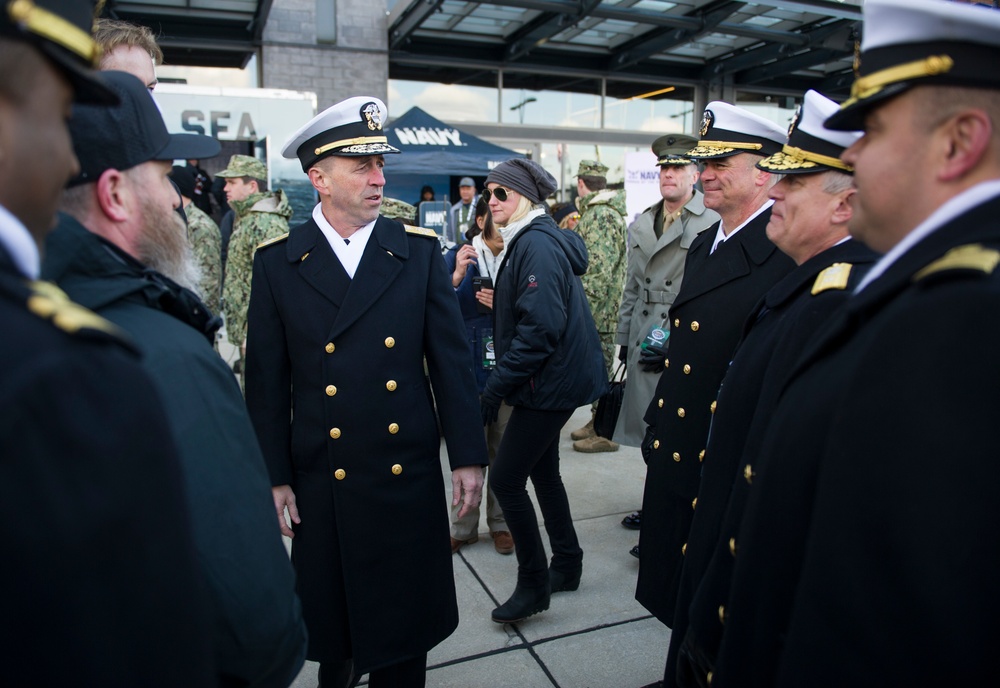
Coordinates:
<point>594,445</point>
<point>586,431</point>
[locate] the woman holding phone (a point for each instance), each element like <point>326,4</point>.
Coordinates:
<point>549,362</point>
<point>472,267</point>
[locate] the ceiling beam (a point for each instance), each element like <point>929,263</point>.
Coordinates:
<point>409,19</point>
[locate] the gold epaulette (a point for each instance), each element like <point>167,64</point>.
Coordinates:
<point>268,242</point>
<point>834,277</point>
<point>51,303</point>
<point>969,257</point>
<point>421,231</point>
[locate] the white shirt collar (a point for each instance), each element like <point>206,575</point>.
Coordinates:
<point>948,211</point>
<point>18,241</point>
<point>350,250</point>
<point>720,234</point>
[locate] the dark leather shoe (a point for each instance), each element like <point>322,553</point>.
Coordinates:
<point>633,521</point>
<point>522,604</point>
<point>459,544</point>
<point>634,551</point>
<point>560,581</point>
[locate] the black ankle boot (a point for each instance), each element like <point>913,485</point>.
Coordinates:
<point>561,581</point>
<point>522,604</point>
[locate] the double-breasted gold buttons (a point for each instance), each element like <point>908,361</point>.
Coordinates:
<point>396,469</point>
<point>389,342</point>
<point>656,444</point>
<point>701,455</point>
<point>712,407</point>
<point>732,546</point>
<point>659,403</point>
<point>687,369</point>
<point>393,428</point>
<point>330,390</point>
<point>684,549</point>
<point>694,502</point>
<point>340,474</point>
<point>677,322</point>
<point>695,326</point>
<point>748,473</point>
<point>677,457</point>
<point>391,385</point>
<point>680,412</point>
<point>666,363</point>
<point>330,348</point>
<point>335,433</point>
<point>722,614</point>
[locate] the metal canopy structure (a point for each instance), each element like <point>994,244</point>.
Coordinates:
<point>618,48</point>
<point>199,33</point>
<point>627,47</point>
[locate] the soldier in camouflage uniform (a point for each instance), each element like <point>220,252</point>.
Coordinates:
<point>602,226</point>
<point>260,215</point>
<point>204,237</point>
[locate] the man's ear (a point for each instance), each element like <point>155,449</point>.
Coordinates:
<point>114,195</point>
<point>319,180</point>
<point>967,137</point>
<point>842,212</point>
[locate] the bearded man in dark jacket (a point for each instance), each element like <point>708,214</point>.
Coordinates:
<point>113,253</point>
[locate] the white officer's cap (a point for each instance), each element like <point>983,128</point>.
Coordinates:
<point>729,130</point>
<point>812,147</point>
<point>351,128</point>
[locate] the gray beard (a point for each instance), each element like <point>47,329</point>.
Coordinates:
<point>164,247</point>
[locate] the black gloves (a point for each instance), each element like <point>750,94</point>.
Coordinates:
<point>623,353</point>
<point>651,359</point>
<point>646,447</point>
<point>489,406</point>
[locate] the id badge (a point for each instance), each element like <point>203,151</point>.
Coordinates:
<point>656,338</point>
<point>489,353</point>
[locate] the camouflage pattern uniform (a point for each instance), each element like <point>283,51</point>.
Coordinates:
<point>602,226</point>
<point>260,217</point>
<point>206,244</point>
<point>395,209</point>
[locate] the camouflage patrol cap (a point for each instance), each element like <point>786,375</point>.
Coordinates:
<point>592,168</point>
<point>244,166</point>
<point>394,209</point>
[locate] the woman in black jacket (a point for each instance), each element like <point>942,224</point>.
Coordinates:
<point>549,362</point>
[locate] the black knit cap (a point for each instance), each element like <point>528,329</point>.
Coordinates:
<point>61,30</point>
<point>524,176</point>
<point>183,179</point>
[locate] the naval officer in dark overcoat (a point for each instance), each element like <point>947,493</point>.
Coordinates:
<point>728,267</point>
<point>809,224</point>
<point>344,312</point>
<point>865,556</point>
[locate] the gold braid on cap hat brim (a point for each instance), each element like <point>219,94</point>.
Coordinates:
<point>705,148</point>
<point>351,142</point>
<point>792,158</point>
<point>867,86</point>
<point>52,27</point>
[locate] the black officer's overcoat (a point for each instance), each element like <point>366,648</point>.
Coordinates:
<point>774,337</point>
<point>706,319</point>
<point>342,407</point>
<point>866,552</point>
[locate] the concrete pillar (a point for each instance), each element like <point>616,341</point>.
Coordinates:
<point>357,63</point>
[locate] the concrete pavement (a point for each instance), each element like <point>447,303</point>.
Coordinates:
<point>595,637</point>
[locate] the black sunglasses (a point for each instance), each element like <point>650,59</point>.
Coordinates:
<point>499,192</point>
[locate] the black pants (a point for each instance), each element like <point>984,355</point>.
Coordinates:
<point>410,673</point>
<point>530,448</point>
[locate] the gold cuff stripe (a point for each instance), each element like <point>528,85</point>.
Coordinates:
<point>816,157</point>
<point>867,86</point>
<point>730,144</point>
<point>52,27</point>
<point>351,142</point>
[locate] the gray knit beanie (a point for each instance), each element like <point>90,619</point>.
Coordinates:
<point>526,177</point>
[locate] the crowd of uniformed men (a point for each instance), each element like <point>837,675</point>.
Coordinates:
<point>809,340</point>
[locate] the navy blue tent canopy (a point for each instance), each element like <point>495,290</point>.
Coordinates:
<point>429,146</point>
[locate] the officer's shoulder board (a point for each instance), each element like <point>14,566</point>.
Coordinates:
<point>420,231</point>
<point>837,276</point>
<point>970,258</point>
<point>273,240</point>
<point>51,303</point>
